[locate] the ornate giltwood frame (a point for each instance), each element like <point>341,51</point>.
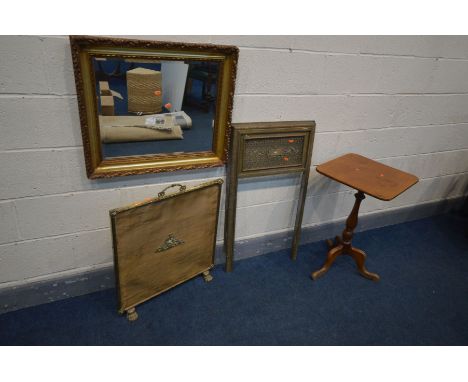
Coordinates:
<point>84,48</point>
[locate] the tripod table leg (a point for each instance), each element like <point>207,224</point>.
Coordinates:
<point>360,257</point>
<point>331,256</point>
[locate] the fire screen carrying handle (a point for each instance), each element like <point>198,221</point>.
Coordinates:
<point>181,188</point>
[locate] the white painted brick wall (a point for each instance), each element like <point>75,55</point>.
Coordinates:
<point>401,100</point>
<point>8,229</point>
<point>356,112</point>
<point>43,123</point>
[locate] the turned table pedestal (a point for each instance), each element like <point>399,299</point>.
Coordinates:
<point>367,177</point>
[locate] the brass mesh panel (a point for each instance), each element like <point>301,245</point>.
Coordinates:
<point>263,153</point>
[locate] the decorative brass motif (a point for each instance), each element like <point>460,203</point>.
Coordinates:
<point>169,243</point>
<point>84,48</point>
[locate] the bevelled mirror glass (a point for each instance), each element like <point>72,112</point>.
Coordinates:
<point>148,106</point>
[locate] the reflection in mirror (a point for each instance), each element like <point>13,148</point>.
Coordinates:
<point>149,106</point>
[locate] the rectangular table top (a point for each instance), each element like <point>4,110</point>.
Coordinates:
<point>372,178</point>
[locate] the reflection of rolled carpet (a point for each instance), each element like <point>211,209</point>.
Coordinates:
<point>125,129</point>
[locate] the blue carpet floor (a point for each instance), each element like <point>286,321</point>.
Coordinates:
<point>422,299</point>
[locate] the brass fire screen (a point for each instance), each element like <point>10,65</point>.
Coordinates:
<point>163,242</point>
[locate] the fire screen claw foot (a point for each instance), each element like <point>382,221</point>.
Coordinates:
<point>132,315</point>
<point>207,277</point>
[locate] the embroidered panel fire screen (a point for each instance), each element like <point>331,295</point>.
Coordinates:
<point>164,241</point>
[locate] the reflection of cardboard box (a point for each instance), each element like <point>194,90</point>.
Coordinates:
<point>104,88</point>
<point>141,87</point>
<point>107,105</point>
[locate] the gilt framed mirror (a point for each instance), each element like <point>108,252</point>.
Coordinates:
<point>152,106</point>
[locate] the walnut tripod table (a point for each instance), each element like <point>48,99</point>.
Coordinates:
<point>367,177</point>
